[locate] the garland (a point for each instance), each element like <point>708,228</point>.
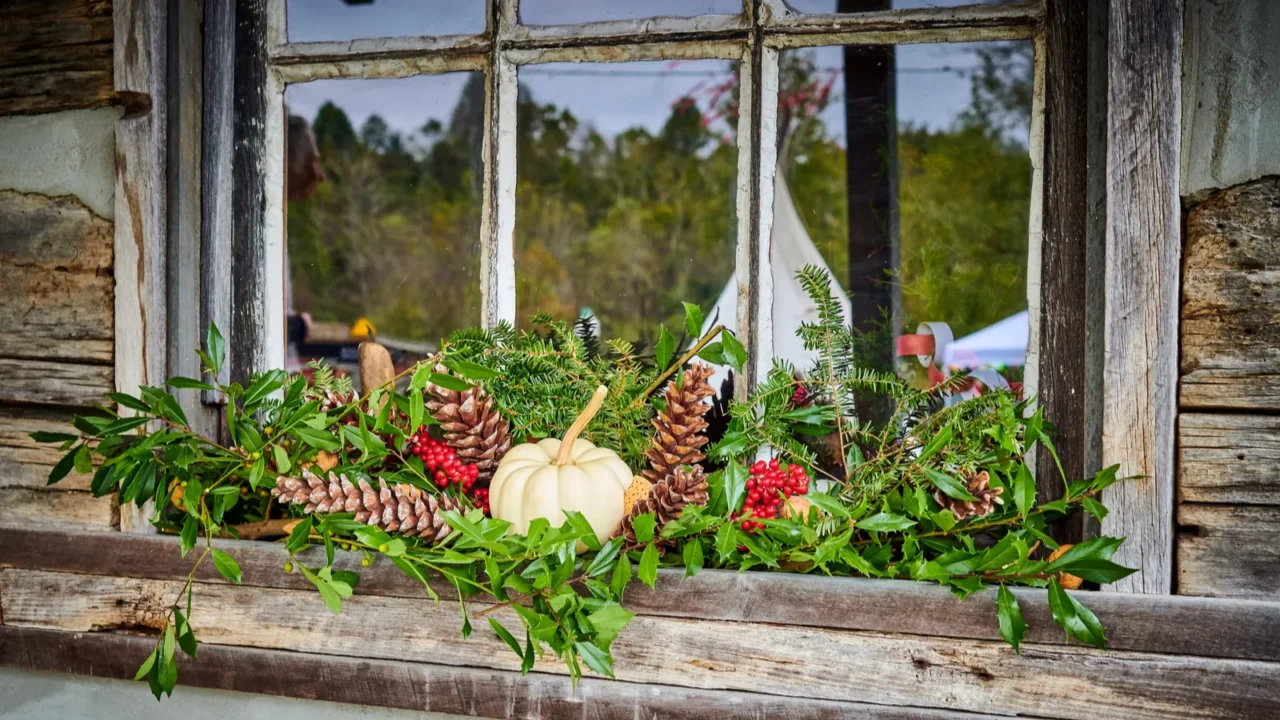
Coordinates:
<point>922,497</point>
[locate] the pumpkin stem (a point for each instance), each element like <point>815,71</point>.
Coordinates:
<point>580,424</point>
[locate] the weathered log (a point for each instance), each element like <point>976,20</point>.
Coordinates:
<point>1229,459</point>
<point>30,509</point>
<point>1229,551</point>
<point>55,55</point>
<point>25,462</point>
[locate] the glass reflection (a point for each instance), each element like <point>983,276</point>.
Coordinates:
<point>317,20</point>
<point>564,12</point>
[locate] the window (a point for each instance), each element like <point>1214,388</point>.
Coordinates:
<point>613,159</point>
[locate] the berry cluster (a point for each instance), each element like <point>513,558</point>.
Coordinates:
<point>800,398</point>
<point>481,498</point>
<point>442,462</point>
<point>768,487</point>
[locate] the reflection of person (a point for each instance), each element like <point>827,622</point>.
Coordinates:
<point>303,174</point>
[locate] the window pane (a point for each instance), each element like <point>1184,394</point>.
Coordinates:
<point>314,20</point>
<point>383,189</point>
<point>906,171</point>
<point>625,193</point>
<point>856,6</point>
<point>564,12</point>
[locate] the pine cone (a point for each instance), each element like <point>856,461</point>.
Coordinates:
<point>986,498</point>
<point>680,428</point>
<point>401,508</point>
<point>471,425</point>
<point>668,497</point>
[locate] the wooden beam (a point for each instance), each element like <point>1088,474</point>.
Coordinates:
<point>421,686</point>
<point>45,382</point>
<point>1063,253</point>
<point>25,462</point>
<point>1172,624</point>
<point>1143,248</point>
<point>1229,551</point>
<point>55,55</point>
<point>250,323</point>
<point>216,130</point>
<point>948,674</point>
<point>29,509</point>
<point>1229,459</point>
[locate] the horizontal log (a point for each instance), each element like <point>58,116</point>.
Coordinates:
<point>44,382</point>
<point>420,686</point>
<point>1229,551</point>
<point>1229,459</point>
<point>28,509</point>
<point>949,674</point>
<point>25,462</point>
<point>1170,624</point>
<point>55,55</point>
<point>1230,327</point>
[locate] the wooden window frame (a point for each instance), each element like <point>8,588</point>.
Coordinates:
<point>1071,242</point>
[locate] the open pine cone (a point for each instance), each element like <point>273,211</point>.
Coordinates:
<point>979,487</point>
<point>472,426</point>
<point>400,508</point>
<point>680,437</point>
<point>668,497</point>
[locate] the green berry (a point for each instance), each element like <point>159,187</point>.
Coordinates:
<point>288,567</point>
<point>383,548</point>
<point>366,561</point>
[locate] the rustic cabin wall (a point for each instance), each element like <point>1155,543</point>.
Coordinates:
<point>57,286</point>
<point>1229,395</point>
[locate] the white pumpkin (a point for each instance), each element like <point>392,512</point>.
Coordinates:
<point>543,479</point>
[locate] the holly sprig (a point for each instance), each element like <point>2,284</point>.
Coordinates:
<point>876,512</point>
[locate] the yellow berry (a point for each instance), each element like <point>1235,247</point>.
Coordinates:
<point>183,483</point>
<point>366,561</point>
<point>288,567</point>
<point>268,431</point>
<point>383,548</point>
<point>256,455</point>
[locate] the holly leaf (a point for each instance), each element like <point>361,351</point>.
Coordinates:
<point>1024,490</point>
<point>595,658</point>
<point>663,350</point>
<point>692,558</point>
<point>714,353</point>
<point>507,637</point>
<point>885,522</point>
<point>734,354</point>
<point>692,320</point>
<point>448,382</point>
<point>649,565</point>
<point>582,527</point>
<point>215,348</point>
<point>1075,618</point>
<point>948,484</point>
<point>735,484</point>
<point>621,575</point>
<point>472,371</point>
<point>1094,508</point>
<point>1012,626</point>
<point>643,526</point>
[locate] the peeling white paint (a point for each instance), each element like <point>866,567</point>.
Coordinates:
<point>64,153</point>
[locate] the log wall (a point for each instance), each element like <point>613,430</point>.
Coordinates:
<point>57,274</point>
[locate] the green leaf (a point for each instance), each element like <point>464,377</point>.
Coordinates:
<point>648,572</point>
<point>735,484</point>
<point>726,543</point>
<point>885,522</point>
<point>608,622</point>
<point>595,658</point>
<point>1094,508</point>
<point>692,320</point>
<point>828,504</point>
<point>714,353</point>
<point>734,354</point>
<point>263,385</point>
<point>621,575</point>
<point>449,382</point>
<point>415,572</point>
<point>663,350</point>
<point>169,643</point>
<point>1099,547</point>
<point>178,382</point>
<point>936,443</point>
<point>948,484</point>
<point>146,665</point>
<point>507,637</point>
<point>692,557</point>
<point>526,663</point>
<point>1012,626</point>
<point>1076,619</point>
<point>471,371</point>
<point>215,348</point>
<point>186,638</point>
<point>226,565</point>
<point>582,527</point>
<point>83,460</point>
<point>416,409</point>
<point>187,539</point>
<point>603,561</point>
<point>44,436</point>
<point>192,495</point>
<point>129,401</point>
<point>300,536</point>
<point>1024,490</point>
<point>104,480</point>
<point>318,439</point>
<point>395,547</point>
<point>1097,570</point>
<point>283,464</point>
<point>466,619</point>
<point>643,526</point>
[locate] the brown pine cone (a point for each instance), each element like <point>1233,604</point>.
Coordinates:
<point>471,425</point>
<point>400,508</point>
<point>685,486</point>
<point>680,427</point>
<point>986,498</point>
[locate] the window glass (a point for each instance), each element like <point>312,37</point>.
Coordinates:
<point>315,20</point>
<point>906,171</point>
<point>855,6</point>
<point>626,190</point>
<point>564,12</point>
<point>383,188</point>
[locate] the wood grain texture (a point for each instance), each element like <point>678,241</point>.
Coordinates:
<point>1229,459</point>
<point>1144,239</point>
<point>1172,624</point>
<point>218,101</point>
<point>54,383</point>
<point>1231,306</point>
<point>947,674</point>
<point>30,509</point>
<point>1229,551</point>
<point>55,55</point>
<point>25,462</point>
<point>423,687</point>
<point>56,302</point>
